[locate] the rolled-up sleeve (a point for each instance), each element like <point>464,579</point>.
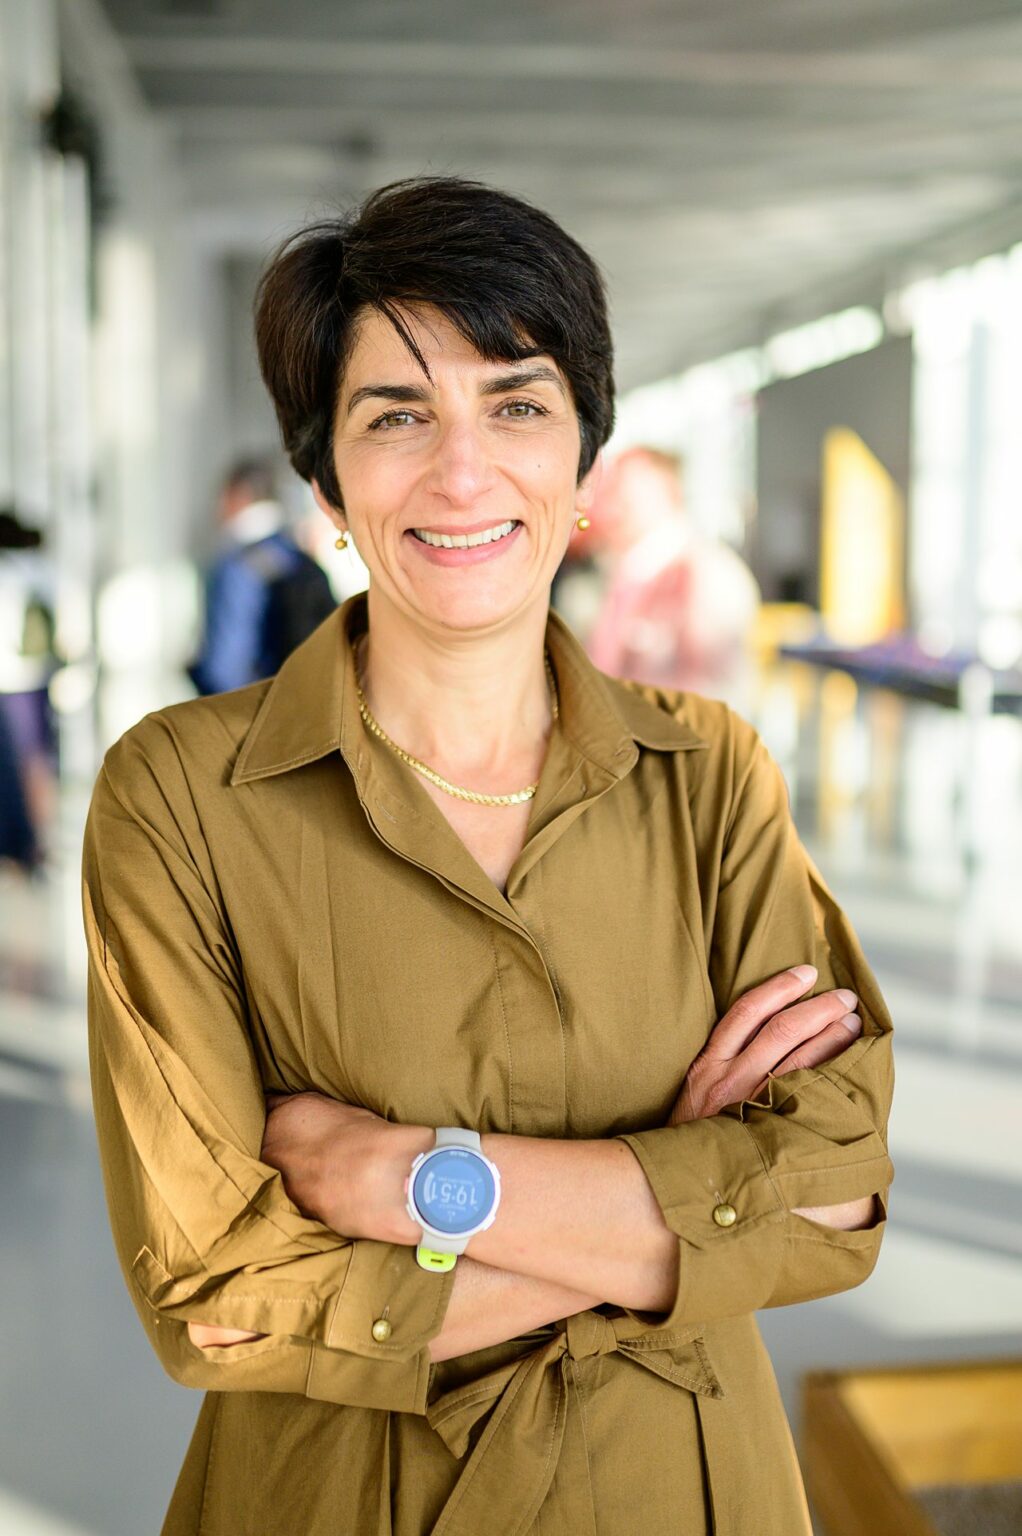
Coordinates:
<point>204,1230</point>
<point>728,1185</point>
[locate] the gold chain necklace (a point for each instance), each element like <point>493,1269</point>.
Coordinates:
<point>472,795</point>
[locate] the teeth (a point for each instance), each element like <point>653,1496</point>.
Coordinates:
<point>464,540</point>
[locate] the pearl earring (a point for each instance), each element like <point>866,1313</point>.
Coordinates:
<point>341,542</point>
<point>581,522</point>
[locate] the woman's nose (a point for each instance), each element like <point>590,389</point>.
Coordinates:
<point>461,468</point>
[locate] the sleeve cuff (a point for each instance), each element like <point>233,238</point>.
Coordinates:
<point>728,1186</point>
<point>325,1349</point>
<point>385,1287</point>
<point>729,1219</point>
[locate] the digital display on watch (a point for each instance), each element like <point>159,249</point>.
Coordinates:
<point>453,1191</point>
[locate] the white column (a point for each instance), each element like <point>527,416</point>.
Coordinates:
<point>29,80</point>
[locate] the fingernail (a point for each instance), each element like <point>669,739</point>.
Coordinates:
<point>852,1022</point>
<point>804,973</point>
<point>846,999</point>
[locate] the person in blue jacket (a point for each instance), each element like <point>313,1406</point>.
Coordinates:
<point>264,594</point>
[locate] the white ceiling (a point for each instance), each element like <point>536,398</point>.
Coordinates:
<point>734,165</point>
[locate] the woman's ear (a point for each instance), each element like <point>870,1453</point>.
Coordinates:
<point>585,491</point>
<point>335,514</point>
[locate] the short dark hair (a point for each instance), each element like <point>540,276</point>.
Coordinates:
<point>508,277</point>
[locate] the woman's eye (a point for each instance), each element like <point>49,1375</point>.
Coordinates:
<point>523,408</point>
<point>391,419</point>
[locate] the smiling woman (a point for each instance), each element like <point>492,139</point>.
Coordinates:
<point>441,895</point>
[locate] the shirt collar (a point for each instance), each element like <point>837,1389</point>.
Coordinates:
<point>311,707</point>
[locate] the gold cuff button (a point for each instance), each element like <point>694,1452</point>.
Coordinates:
<point>381,1330</point>
<point>725,1215</point>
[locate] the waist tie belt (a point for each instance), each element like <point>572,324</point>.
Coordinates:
<point>509,1473</point>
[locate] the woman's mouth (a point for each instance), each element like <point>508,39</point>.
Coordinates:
<point>450,548</point>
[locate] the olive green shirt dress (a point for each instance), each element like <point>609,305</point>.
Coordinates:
<point>273,903</point>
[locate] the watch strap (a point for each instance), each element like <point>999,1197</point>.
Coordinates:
<point>455,1136</point>
<point>438,1263</point>
<point>430,1258</point>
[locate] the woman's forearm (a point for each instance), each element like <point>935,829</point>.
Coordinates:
<point>489,1306</point>
<point>580,1213</point>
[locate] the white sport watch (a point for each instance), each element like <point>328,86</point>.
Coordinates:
<point>453,1193</point>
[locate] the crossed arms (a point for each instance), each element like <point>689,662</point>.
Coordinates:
<point>579,1223</point>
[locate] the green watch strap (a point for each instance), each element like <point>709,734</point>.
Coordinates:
<point>439,1263</point>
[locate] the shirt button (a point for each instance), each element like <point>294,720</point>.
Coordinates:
<point>725,1215</point>
<point>381,1330</point>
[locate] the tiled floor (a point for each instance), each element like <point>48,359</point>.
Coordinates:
<point>915,818</point>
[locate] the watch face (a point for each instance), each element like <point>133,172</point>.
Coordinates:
<point>453,1191</point>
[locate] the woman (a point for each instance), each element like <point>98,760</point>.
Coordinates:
<point>440,880</point>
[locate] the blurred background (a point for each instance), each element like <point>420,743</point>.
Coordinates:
<point>810,220</point>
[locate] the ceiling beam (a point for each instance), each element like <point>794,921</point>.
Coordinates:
<point>687,131</point>
<point>588,62</point>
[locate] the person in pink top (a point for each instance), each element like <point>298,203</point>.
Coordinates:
<point>679,607</point>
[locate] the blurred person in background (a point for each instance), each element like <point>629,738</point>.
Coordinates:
<point>474,1045</point>
<point>28,750</point>
<point>18,844</point>
<point>264,594</point>
<point>679,607</point>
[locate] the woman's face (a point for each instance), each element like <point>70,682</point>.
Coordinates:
<point>481,448</point>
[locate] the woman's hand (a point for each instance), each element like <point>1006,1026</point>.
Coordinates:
<point>766,1033</point>
<point>343,1165</point>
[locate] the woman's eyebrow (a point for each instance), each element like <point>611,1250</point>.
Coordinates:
<point>415,394</point>
<point>404,394</point>
<point>521,378</point>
